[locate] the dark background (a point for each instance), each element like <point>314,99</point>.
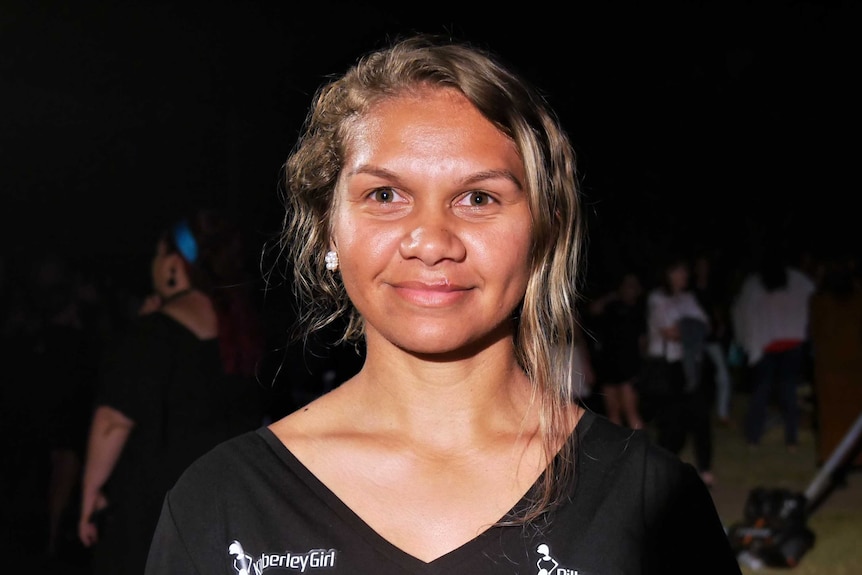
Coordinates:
<point>696,123</point>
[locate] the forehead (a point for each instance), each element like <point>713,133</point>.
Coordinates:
<point>424,115</point>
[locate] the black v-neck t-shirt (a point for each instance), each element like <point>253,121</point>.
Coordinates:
<point>249,507</point>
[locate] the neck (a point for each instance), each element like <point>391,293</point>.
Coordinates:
<point>177,295</point>
<point>467,393</point>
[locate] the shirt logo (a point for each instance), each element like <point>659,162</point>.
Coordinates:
<point>314,559</point>
<point>241,562</point>
<point>547,565</point>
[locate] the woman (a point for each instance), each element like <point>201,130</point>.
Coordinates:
<point>442,193</point>
<point>180,382</point>
<point>677,327</point>
<point>620,318</point>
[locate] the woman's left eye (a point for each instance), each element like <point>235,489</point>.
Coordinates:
<point>476,199</point>
<point>384,195</point>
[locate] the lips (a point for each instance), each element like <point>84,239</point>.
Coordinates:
<point>430,294</point>
<point>440,285</point>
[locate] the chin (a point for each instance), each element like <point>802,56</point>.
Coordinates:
<point>449,346</point>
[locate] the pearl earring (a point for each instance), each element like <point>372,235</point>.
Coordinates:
<point>331,260</point>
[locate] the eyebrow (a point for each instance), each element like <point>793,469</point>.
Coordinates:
<point>471,179</point>
<point>493,175</point>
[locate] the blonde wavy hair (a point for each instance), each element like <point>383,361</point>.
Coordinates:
<point>545,320</point>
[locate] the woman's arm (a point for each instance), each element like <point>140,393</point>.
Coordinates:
<point>109,432</point>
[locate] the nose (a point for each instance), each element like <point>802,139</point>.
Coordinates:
<point>432,240</point>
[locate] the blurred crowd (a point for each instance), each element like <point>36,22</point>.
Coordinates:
<point>671,343</point>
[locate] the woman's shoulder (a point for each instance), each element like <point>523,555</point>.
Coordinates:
<point>240,485</point>
<point>604,444</point>
<point>635,465</point>
<point>154,325</point>
<point>231,462</point>
<point>244,446</point>
<point>145,337</point>
<point>611,445</point>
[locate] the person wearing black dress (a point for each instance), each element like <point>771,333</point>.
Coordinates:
<point>179,382</point>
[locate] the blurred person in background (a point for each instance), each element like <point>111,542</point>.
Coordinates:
<point>51,359</point>
<point>619,320</point>
<point>770,316</point>
<point>179,381</point>
<point>582,368</point>
<point>677,327</point>
<point>712,296</point>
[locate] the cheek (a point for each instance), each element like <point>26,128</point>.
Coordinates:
<point>506,253</point>
<point>516,246</point>
<point>364,256</point>
<point>363,248</point>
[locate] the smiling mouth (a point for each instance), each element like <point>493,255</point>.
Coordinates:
<point>443,285</point>
<point>430,295</point>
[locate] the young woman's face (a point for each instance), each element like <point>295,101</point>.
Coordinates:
<point>432,225</point>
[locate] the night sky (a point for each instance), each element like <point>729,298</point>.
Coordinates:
<point>696,123</point>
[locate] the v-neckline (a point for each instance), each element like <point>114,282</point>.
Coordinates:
<point>443,564</point>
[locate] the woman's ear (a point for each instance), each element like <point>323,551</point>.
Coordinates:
<point>331,258</point>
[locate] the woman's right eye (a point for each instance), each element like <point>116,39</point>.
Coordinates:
<point>384,195</point>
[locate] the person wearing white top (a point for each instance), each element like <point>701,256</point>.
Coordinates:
<point>685,409</point>
<point>770,321</point>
